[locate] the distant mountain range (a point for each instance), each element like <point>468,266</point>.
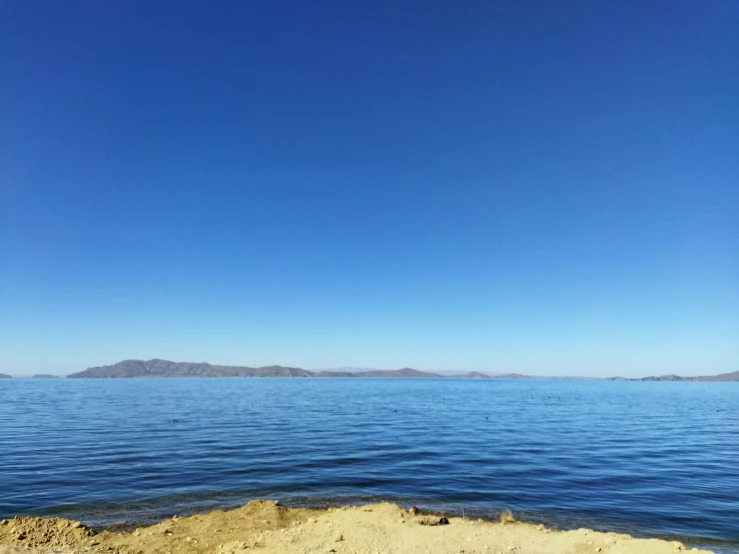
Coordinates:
<point>165,368</point>
<point>724,377</point>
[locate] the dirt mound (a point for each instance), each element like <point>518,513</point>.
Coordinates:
<point>36,531</point>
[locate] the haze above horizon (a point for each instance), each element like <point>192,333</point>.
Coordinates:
<point>547,189</point>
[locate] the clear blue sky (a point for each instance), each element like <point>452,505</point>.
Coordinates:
<point>545,187</point>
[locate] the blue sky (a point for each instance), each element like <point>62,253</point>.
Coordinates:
<point>542,187</point>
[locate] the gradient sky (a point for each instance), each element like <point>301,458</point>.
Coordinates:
<point>544,187</point>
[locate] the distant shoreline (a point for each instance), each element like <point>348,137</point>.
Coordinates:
<point>157,368</point>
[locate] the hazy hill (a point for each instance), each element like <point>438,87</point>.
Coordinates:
<point>343,370</point>
<point>723,377</point>
<point>405,372</point>
<point>354,372</point>
<point>459,374</point>
<point>733,376</point>
<point>473,375</point>
<point>165,368</point>
<point>45,376</point>
<point>3,376</point>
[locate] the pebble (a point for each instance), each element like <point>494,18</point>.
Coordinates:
<point>338,537</point>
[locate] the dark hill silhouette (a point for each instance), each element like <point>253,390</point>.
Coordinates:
<point>165,368</point>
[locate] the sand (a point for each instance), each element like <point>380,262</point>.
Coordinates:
<point>265,527</point>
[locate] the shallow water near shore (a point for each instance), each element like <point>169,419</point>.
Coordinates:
<point>648,459</point>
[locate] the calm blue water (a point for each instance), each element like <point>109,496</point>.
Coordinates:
<point>651,459</point>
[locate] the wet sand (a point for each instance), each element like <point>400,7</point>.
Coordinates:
<point>265,527</point>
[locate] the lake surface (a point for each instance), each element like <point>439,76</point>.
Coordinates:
<point>650,459</point>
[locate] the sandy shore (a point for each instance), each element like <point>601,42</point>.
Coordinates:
<point>266,527</point>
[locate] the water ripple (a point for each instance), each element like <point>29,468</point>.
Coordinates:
<point>650,459</point>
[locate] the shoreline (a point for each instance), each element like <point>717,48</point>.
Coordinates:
<point>267,527</point>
